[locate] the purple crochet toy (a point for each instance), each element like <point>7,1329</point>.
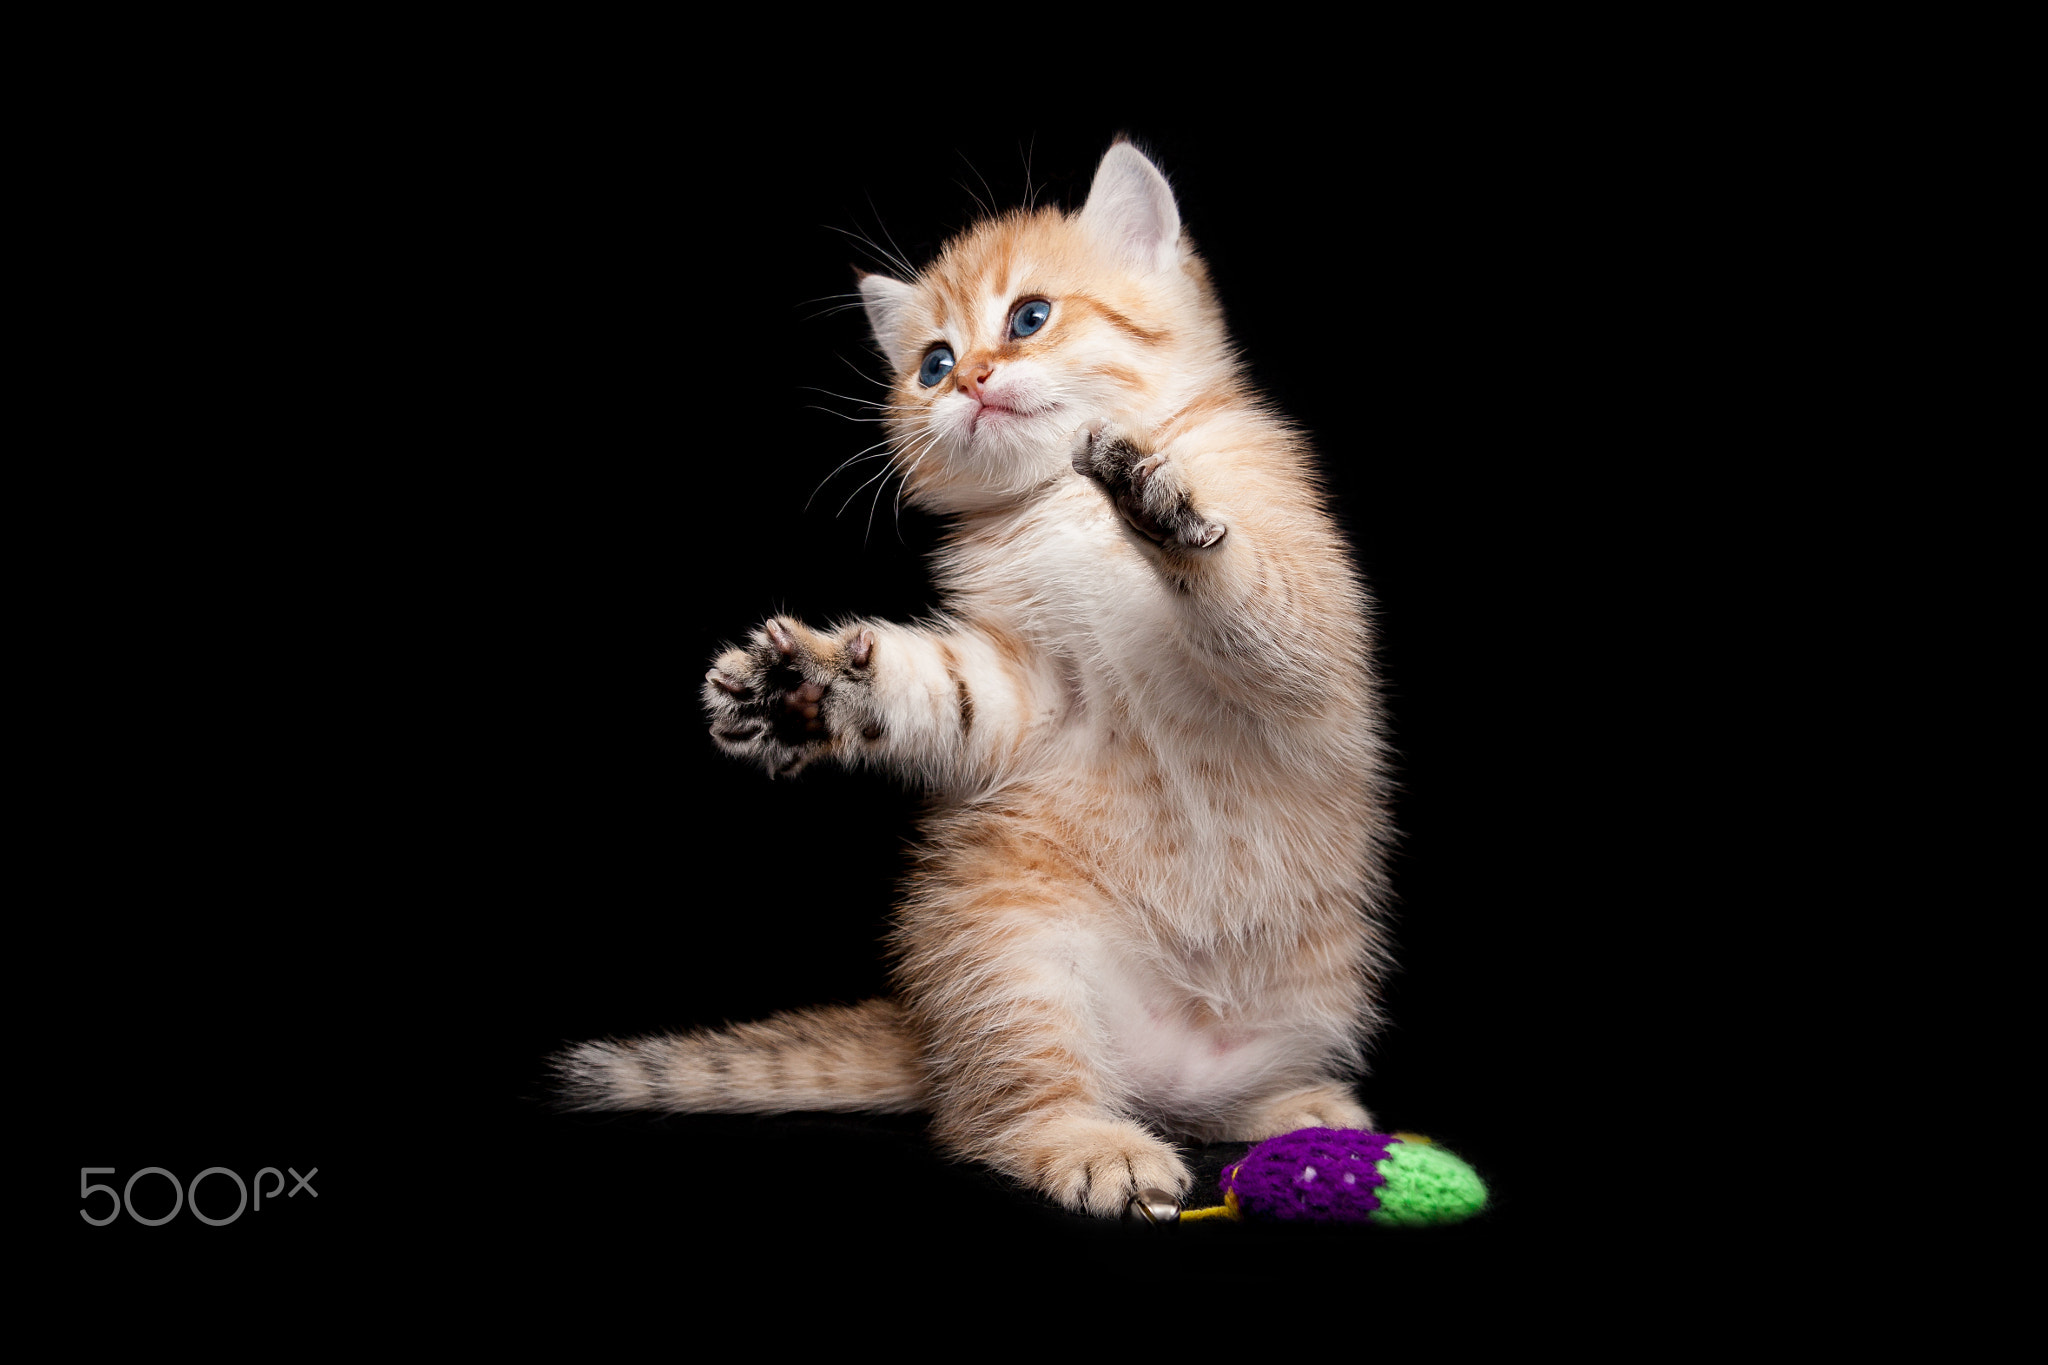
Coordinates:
<point>1337,1175</point>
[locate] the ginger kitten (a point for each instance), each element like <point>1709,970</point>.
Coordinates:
<point>1148,898</point>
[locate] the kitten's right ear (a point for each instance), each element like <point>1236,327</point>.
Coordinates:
<point>888,303</point>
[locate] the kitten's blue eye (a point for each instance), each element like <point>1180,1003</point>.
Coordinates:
<point>935,366</point>
<point>1029,318</point>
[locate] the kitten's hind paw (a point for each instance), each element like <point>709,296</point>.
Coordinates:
<point>1097,1165</point>
<point>786,697</point>
<point>1148,490</point>
<point>1330,1105</point>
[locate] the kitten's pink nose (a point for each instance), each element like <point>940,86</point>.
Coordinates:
<point>973,377</point>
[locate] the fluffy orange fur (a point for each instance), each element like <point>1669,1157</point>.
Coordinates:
<point>1148,899</point>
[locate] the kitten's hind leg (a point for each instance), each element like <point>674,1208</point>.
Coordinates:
<point>1329,1105</point>
<point>1024,1098</point>
<point>1094,1164</point>
<point>996,954</point>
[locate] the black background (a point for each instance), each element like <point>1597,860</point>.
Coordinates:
<point>460,423</point>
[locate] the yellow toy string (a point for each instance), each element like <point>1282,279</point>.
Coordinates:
<point>1226,1209</point>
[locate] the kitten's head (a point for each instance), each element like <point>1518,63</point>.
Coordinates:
<point>1030,327</point>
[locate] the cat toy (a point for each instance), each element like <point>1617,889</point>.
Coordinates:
<point>1334,1175</point>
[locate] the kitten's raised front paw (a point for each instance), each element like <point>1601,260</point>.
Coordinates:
<point>790,694</point>
<point>1096,1165</point>
<point>1147,490</point>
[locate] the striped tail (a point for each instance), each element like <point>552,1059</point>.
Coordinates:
<point>837,1057</point>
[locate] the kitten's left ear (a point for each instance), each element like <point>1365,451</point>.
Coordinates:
<point>888,303</point>
<point>1130,209</point>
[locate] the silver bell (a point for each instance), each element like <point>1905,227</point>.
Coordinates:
<point>1153,1207</point>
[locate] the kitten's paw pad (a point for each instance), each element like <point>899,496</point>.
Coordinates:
<point>1147,489</point>
<point>783,698</point>
<point>1095,1166</point>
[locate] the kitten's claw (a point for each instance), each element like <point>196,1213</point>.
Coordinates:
<point>1147,490</point>
<point>784,699</point>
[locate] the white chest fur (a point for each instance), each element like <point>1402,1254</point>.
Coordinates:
<point>1176,1051</point>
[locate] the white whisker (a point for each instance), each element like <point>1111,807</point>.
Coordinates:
<point>881,384</point>
<point>881,254</point>
<point>858,491</point>
<point>900,256</point>
<point>860,402</point>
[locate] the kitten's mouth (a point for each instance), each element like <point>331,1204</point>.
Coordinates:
<point>991,411</point>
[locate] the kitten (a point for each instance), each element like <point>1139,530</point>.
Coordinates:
<point>1148,900</point>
